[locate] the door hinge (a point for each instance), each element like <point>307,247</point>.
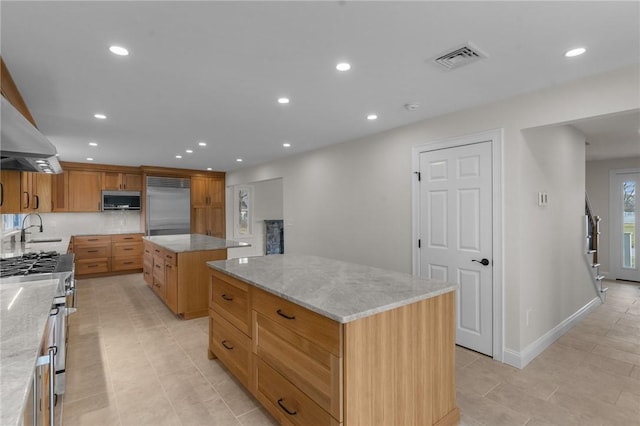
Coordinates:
<point>419,243</point>
<point>419,176</point>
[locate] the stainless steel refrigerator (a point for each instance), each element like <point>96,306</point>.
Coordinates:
<point>168,206</point>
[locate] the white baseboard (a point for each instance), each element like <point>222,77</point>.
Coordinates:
<point>521,359</point>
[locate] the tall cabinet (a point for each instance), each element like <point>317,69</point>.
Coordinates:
<point>207,205</point>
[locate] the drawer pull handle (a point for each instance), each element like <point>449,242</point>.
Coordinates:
<point>227,298</point>
<point>224,343</point>
<point>279,312</point>
<point>127,263</point>
<point>92,251</point>
<point>127,249</point>
<point>92,239</point>
<point>289,412</point>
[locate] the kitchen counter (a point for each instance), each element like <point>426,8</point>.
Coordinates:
<point>193,242</point>
<point>24,310</point>
<point>10,249</point>
<point>338,290</point>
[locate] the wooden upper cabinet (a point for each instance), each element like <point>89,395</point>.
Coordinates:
<point>35,192</point>
<point>115,181</point>
<point>10,91</point>
<point>60,192</point>
<point>199,191</point>
<point>85,191</point>
<point>207,206</point>
<point>9,191</point>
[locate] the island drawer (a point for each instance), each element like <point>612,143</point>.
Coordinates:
<point>316,328</point>
<point>91,252</point>
<point>171,257</point>
<point>285,402</point>
<point>147,269</point>
<point>147,248</point>
<point>92,266</point>
<point>158,269</point>
<point>125,263</point>
<point>231,346</point>
<point>309,367</point>
<point>229,297</point>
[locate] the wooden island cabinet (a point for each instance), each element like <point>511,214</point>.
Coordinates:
<point>175,268</point>
<point>294,332</point>
<point>101,255</point>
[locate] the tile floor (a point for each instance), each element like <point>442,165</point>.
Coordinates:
<point>132,363</point>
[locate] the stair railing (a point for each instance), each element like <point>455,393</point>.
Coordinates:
<point>592,230</point>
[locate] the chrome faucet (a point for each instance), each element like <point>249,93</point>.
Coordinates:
<point>23,229</point>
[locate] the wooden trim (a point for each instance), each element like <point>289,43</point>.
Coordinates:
<point>68,165</point>
<point>12,94</point>
<point>175,172</point>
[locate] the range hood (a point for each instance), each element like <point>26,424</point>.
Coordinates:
<point>22,146</point>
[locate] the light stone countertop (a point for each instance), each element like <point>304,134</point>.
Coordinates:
<point>338,290</point>
<point>24,311</point>
<point>193,242</point>
<point>18,249</point>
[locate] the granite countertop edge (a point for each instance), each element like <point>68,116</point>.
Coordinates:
<point>182,243</point>
<point>218,265</point>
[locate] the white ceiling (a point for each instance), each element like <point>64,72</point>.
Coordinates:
<point>611,136</point>
<point>212,71</point>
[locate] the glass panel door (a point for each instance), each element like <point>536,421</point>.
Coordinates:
<point>624,225</point>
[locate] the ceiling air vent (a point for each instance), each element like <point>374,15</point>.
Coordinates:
<point>459,56</point>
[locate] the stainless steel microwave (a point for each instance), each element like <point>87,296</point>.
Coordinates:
<point>120,200</point>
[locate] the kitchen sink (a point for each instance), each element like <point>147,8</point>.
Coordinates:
<point>46,240</point>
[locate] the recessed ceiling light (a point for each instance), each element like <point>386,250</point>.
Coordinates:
<point>372,117</point>
<point>209,168</point>
<point>119,50</point>
<point>189,151</point>
<point>202,143</point>
<point>89,159</point>
<point>575,52</point>
<point>93,143</point>
<point>286,145</point>
<point>283,100</point>
<point>100,116</point>
<point>178,156</point>
<point>239,160</point>
<point>343,66</point>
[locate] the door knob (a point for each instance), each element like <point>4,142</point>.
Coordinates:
<point>484,261</point>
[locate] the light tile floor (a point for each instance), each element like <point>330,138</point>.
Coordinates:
<point>131,362</point>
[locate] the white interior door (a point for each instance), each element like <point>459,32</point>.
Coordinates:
<point>624,224</point>
<point>456,232</point>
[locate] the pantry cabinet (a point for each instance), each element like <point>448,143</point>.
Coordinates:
<point>9,191</point>
<point>208,206</point>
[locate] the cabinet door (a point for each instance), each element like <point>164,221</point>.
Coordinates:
<point>42,192</point>
<point>60,192</point>
<point>131,182</point>
<point>26,191</point>
<point>199,191</point>
<point>200,220</point>
<point>9,191</point>
<point>84,191</point>
<point>111,181</point>
<point>171,286</point>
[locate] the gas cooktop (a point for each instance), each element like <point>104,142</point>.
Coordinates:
<point>29,263</point>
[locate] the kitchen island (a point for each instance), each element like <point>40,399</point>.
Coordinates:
<point>320,341</point>
<point>25,305</point>
<point>174,267</point>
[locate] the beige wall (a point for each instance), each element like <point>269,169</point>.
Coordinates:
<point>353,200</point>
<point>598,183</point>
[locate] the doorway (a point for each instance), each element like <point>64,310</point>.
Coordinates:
<point>457,222</point>
<point>623,224</point>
